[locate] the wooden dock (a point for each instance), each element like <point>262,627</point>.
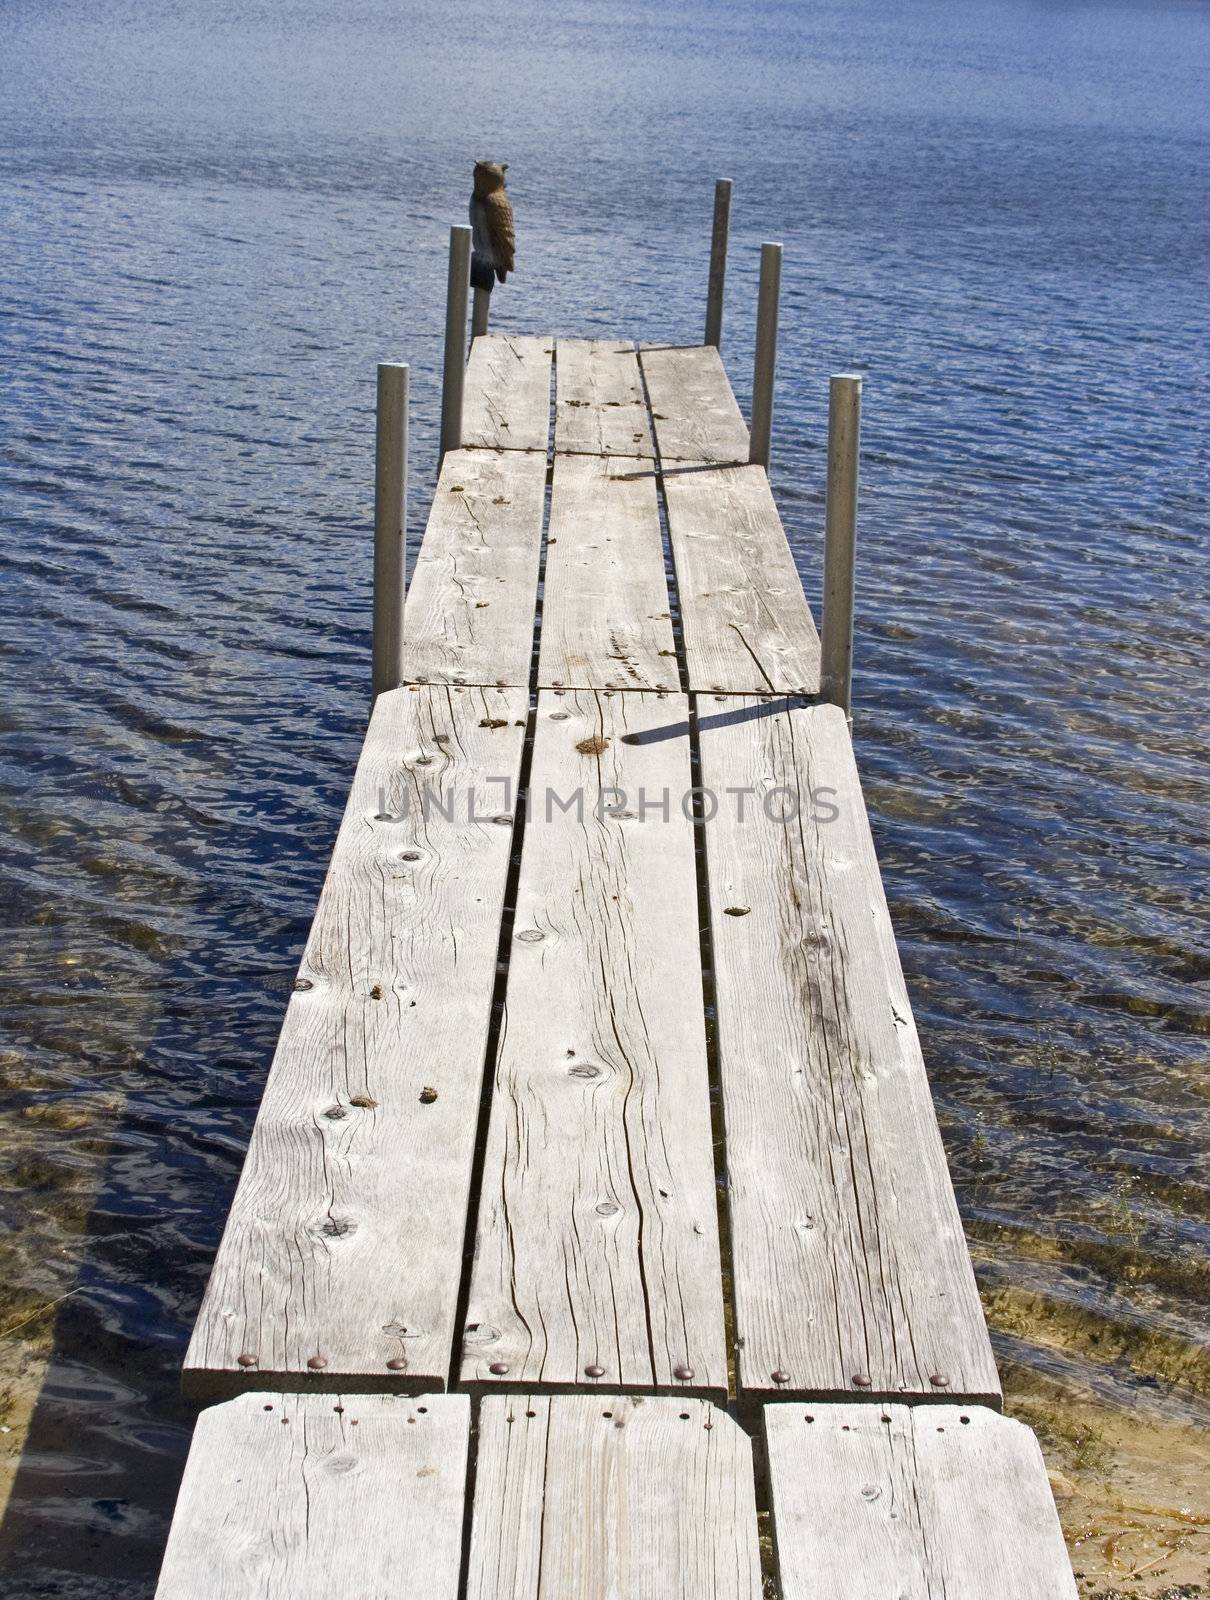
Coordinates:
<point>538,1281</point>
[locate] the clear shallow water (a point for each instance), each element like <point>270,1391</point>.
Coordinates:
<point>217,218</point>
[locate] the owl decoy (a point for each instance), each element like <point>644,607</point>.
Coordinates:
<point>493,239</point>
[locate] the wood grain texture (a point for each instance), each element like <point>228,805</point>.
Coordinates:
<point>342,1254</point>
<point>506,403</point>
<point>606,623</point>
<point>469,614</point>
<point>599,1496</point>
<point>851,1270</point>
<point>600,407</point>
<point>692,406</point>
<point>597,1237</point>
<point>919,1503</point>
<point>747,625</point>
<point>303,1497</point>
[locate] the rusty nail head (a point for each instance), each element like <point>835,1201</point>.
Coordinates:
<point>683,1373</point>
<point>594,1371</point>
<point>247,1360</point>
<point>861,1380</point>
<point>498,1368</point>
<point>781,1377</point>
<point>317,1363</point>
<point>939,1380</point>
<point>396,1364</point>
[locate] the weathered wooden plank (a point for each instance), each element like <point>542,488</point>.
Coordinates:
<point>746,621</point>
<point>597,1256</point>
<point>695,414</point>
<point>603,1495</point>
<point>600,407</point>
<point>923,1503</point>
<point>342,1254</point>
<point>506,404</point>
<point>469,615</point>
<point>605,617</point>
<point>302,1497</point>
<point>851,1271</point>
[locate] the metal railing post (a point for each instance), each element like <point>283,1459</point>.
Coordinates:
<point>840,541</point>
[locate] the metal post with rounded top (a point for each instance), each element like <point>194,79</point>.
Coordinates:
<point>840,541</point>
<point>390,525</point>
<point>456,296</point>
<point>718,262</point>
<point>765,365</point>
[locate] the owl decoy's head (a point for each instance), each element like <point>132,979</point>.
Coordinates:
<point>489,176</point>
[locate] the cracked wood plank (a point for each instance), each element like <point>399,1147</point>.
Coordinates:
<point>600,408</point>
<point>596,1495</point>
<point>851,1270</point>
<point>342,1255</point>
<point>597,1256</point>
<point>923,1503</point>
<point>605,617</point>
<point>694,411</point>
<point>506,403</point>
<point>747,626</point>
<point>469,614</point>
<point>303,1497</point>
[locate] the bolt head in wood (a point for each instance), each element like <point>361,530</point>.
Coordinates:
<point>594,1371</point>
<point>781,1377</point>
<point>939,1380</point>
<point>317,1363</point>
<point>397,1364</point>
<point>861,1380</point>
<point>498,1368</point>
<point>682,1373</point>
<point>247,1359</point>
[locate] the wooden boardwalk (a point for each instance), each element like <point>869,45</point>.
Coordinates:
<point>526,1258</point>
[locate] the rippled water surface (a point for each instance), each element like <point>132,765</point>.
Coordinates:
<point>216,218</point>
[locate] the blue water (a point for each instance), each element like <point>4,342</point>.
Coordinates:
<point>216,218</point>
